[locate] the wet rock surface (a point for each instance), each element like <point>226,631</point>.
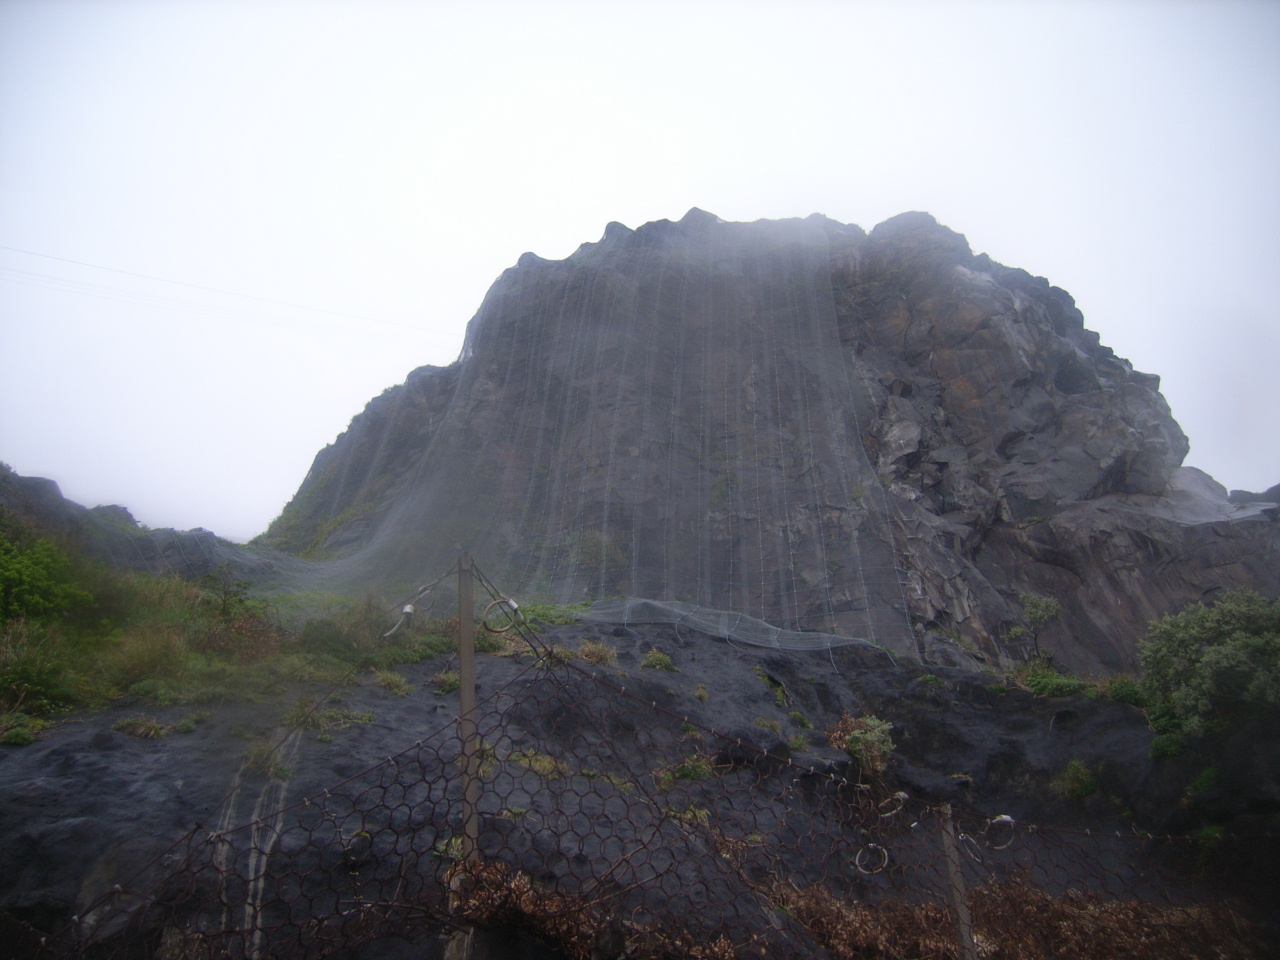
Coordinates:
<point>87,807</point>
<point>880,435</point>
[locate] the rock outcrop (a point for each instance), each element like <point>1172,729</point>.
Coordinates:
<point>881,435</point>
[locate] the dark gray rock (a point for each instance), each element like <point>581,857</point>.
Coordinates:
<point>880,435</point>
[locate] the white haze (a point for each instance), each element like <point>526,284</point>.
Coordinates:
<point>372,168</point>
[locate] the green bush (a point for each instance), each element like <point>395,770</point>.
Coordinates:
<point>1040,677</point>
<point>657,660</point>
<point>866,740</point>
<point>1208,666</point>
<point>35,577</point>
<point>1076,782</point>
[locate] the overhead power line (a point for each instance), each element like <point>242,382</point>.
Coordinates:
<point>197,286</point>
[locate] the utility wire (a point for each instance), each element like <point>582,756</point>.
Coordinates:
<point>196,286</point>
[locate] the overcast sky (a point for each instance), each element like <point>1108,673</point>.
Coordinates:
<point>224,227</point>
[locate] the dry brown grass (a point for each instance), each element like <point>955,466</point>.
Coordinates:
<point>495,894</point>
<point>1014,921</point>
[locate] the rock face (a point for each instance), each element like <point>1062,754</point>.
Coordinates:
<point>881,435</point>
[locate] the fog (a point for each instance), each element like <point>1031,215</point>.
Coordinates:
<point>224,227</point>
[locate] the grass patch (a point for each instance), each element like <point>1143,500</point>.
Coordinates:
<point>141,726</point>
<point>261,759</point>
<point>544,765</point>
<point>446,682</point>
<point>307,714</point>
<point>1040,677</point>
<point>392,682</point>
<point>597,652</point>
<point>1076,782</point>
<point>657,660</point>
<point>780,695</point>
<point>553,614</point>
<point>800,720</point>
<point>693,816</point>
<point>866,740</point>
<point>772,725</point>
<point>20,729</point>
<point>696,767</point>
<point>701,693</point>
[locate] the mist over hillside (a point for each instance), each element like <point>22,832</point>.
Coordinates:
<point>882,436</point>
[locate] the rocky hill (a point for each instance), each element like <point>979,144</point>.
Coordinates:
<point>879,435</point>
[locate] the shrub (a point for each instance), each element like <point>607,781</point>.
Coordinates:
<point>552,614</point>
<point>657,660</point>
<point>597,652</point>
<point>866,740</point>
<point>446,681</point>
<point>392,682</point>
<point>1076,781</point>
<point>1123,688</point>
<point>696,767</point>
<point>1208,666</point>
<point>1040,677</point>
<point>544,765</point>
<point>141,726</point>
<point>35,576</point>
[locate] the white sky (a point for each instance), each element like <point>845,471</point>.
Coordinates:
<point>387,161</point>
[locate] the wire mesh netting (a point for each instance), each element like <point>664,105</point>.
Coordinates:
<point>714,623</point>
<point>606,825</point>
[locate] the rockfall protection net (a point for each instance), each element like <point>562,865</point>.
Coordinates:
<point>610,826</point>
<point>676,412</point>
<point>715,623</point>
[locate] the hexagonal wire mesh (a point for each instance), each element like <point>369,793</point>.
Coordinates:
<point>609,826</point>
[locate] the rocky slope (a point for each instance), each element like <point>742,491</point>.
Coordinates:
<point>94,820</point>
<point>881,435</point>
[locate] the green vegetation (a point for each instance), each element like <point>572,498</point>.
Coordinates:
<point>768,724</point>
<point>800,720</point>
<point>553,614</point>
<point>657,660</point>
<point>392,682</point>
<point>1038,611</point>
<point>701,693</point>
<point>78,634</point>
<point>1040,677</point>
<point>35,576</point>
<point>1207,667</point>
<point>866,740</point>
<point>544,765</point>
<point>307,714</point>
<point>780,695</point>
<point>693,816</point>
<point>695,767</point>
<point>446,681</point>
<point>142,726</point>
<point>261,759</point>
<point>19,729</point>
<point>597,652</point>
<point>1076,782</point>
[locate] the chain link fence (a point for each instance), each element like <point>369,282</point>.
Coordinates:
<point>586,814</point>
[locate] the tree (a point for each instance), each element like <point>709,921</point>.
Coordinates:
<point>1208,666</point>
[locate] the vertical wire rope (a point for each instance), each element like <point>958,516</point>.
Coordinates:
<point>851,370</point>
<point>834,366</point>
<point>655,344</point>
<point>591,319</point>
<point>809,459</point>
<point>534,332</point>
<point>627,332</point>
<point>671,506</point>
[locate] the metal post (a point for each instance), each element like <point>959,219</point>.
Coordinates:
<point>959,906</point>
<point>467,710</point>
